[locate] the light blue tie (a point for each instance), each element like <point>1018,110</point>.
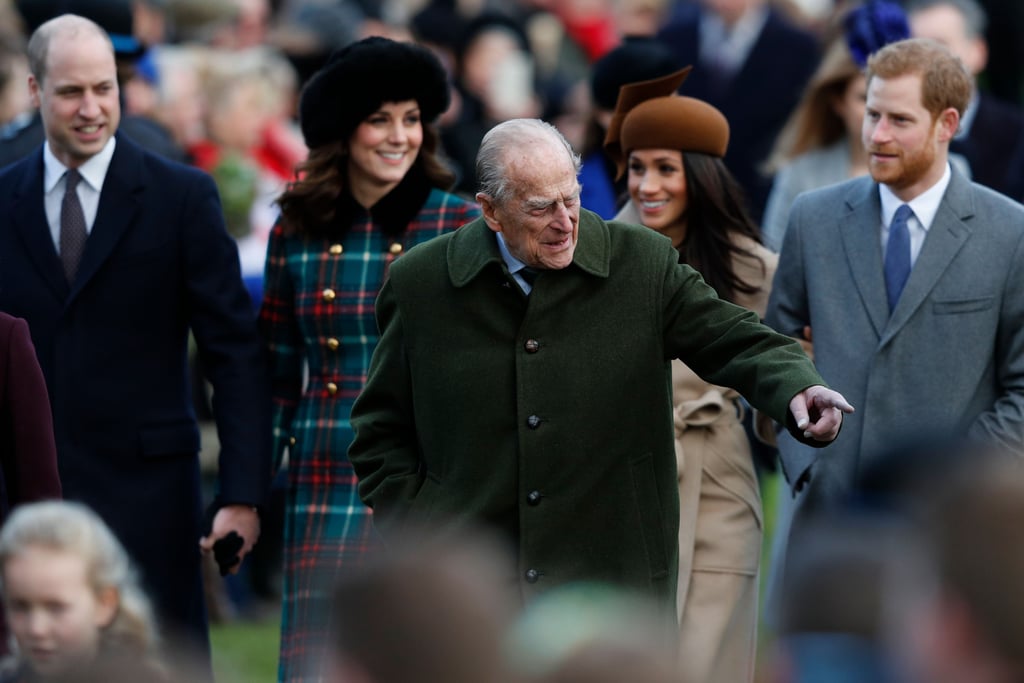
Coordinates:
<point>897,255</point>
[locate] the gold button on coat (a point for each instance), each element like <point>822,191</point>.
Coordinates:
<point>333,344</point>
<point>332,388</point>
<point>396,248</point>
<point>336,249</point>
<point>328,294</point>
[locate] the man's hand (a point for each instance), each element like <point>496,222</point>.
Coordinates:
<point>819,412</point>
<point>241,519</point>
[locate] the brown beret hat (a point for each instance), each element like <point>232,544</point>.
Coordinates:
<point>649,115</point>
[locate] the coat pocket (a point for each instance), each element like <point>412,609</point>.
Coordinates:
<point>651,514</point>
<point>954,306</point>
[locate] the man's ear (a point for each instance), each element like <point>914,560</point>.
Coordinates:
<point>33,90</point>
<point>948,123</point>
<point>489,209</point>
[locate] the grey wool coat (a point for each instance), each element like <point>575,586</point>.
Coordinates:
<point>549,417</point>
<point>948,362</point>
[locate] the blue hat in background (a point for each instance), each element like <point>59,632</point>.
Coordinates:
<point>873,25</point>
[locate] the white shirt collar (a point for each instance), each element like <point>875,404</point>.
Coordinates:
<point>924,205</point>
<point>93,171</point>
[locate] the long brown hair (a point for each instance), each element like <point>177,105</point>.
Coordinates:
<point>715,213</point>
<point>309,204</point>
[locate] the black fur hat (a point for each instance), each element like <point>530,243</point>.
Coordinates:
<point>362,76</point>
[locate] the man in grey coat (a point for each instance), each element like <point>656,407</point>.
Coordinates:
<point>911,281</point>
<point>521,380</point>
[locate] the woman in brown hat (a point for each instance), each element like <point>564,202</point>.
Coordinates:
<point>372,187</point>
<point>672,147</point>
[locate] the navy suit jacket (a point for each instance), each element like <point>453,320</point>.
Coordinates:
<point>757,100</point>
<point>113,347</point>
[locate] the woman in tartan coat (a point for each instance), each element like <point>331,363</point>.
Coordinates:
<point>369,191</point>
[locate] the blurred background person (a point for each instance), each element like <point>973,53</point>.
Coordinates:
<point>28,452</point>
<point>991,130</point>
<point>496,80</point>
<point>371,188</point>
<point>15,104</point>
<point>71,596</point>
<point>428,609</point>
<point>750,62</point>
<point>821,142</point>
<point>592,633</point>
<point>671,150</point>
<point>955,606</point>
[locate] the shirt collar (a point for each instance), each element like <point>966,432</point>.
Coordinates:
<point>93,171</point>
<point>514,264</point>
<point>924,205</point>
<point>717,41</point>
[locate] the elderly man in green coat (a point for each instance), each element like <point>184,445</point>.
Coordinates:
<point>522,377</point>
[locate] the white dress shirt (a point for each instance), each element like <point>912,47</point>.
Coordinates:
<point>92,171</point>
<point>924,206</point>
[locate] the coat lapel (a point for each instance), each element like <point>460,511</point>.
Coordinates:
<point>945,238</point>
<point>120,201</point>
<point>29,219</point>
<point>859,230</point>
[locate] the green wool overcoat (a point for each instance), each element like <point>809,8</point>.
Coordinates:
<point>549,416</point>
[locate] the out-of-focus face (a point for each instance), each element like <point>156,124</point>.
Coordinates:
<point>657,188</point>
<point>382,150</point>
<point>907,149</point>
<point>539,220</point>
<point>52,610</point>
<point>944,24</point>
<point>850,106</point>
<point>78,98</point>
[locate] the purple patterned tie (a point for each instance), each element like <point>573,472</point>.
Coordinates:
<point>72,226</point>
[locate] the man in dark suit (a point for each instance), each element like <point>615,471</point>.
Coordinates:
<point>911,280</point>
<point>112,254</point>
<point>991,130</point>
<point>752,65</point>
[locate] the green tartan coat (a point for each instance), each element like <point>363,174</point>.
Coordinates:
<point>549,417</point>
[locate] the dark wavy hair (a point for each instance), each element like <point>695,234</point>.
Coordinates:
<point>715,211</point>
<point>309,204</point>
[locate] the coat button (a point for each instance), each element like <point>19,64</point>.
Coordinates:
<point>533,497</point>
<point>332,388</point>
<point>532,346</point>
<point>395,248</point>
<point>328,294</point>
<point>336,249</point>
<point>533,422</point>
<point>532,576</point>
<point>333,344</point>
<point>291,440</point>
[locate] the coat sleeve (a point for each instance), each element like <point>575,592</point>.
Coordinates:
<point>1004,423</point>
<point>385,452</point>
<point>283,340</point>
<point>727,345</point>
<point>222,319</point>
<point>30,469</point>
<point>788,309</point>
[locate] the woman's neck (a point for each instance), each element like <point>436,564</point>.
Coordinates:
<point>368,194</point>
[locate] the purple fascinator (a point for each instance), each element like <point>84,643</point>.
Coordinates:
<point>873,25</point>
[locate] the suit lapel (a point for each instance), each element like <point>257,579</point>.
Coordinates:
<point>28,215</point>
<point>120,201</point>
<point>945,238</point>
<point>859,231</point>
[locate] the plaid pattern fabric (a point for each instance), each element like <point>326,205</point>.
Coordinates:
<point>318,311</point>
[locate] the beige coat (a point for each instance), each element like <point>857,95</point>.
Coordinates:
<point>720,524</point>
